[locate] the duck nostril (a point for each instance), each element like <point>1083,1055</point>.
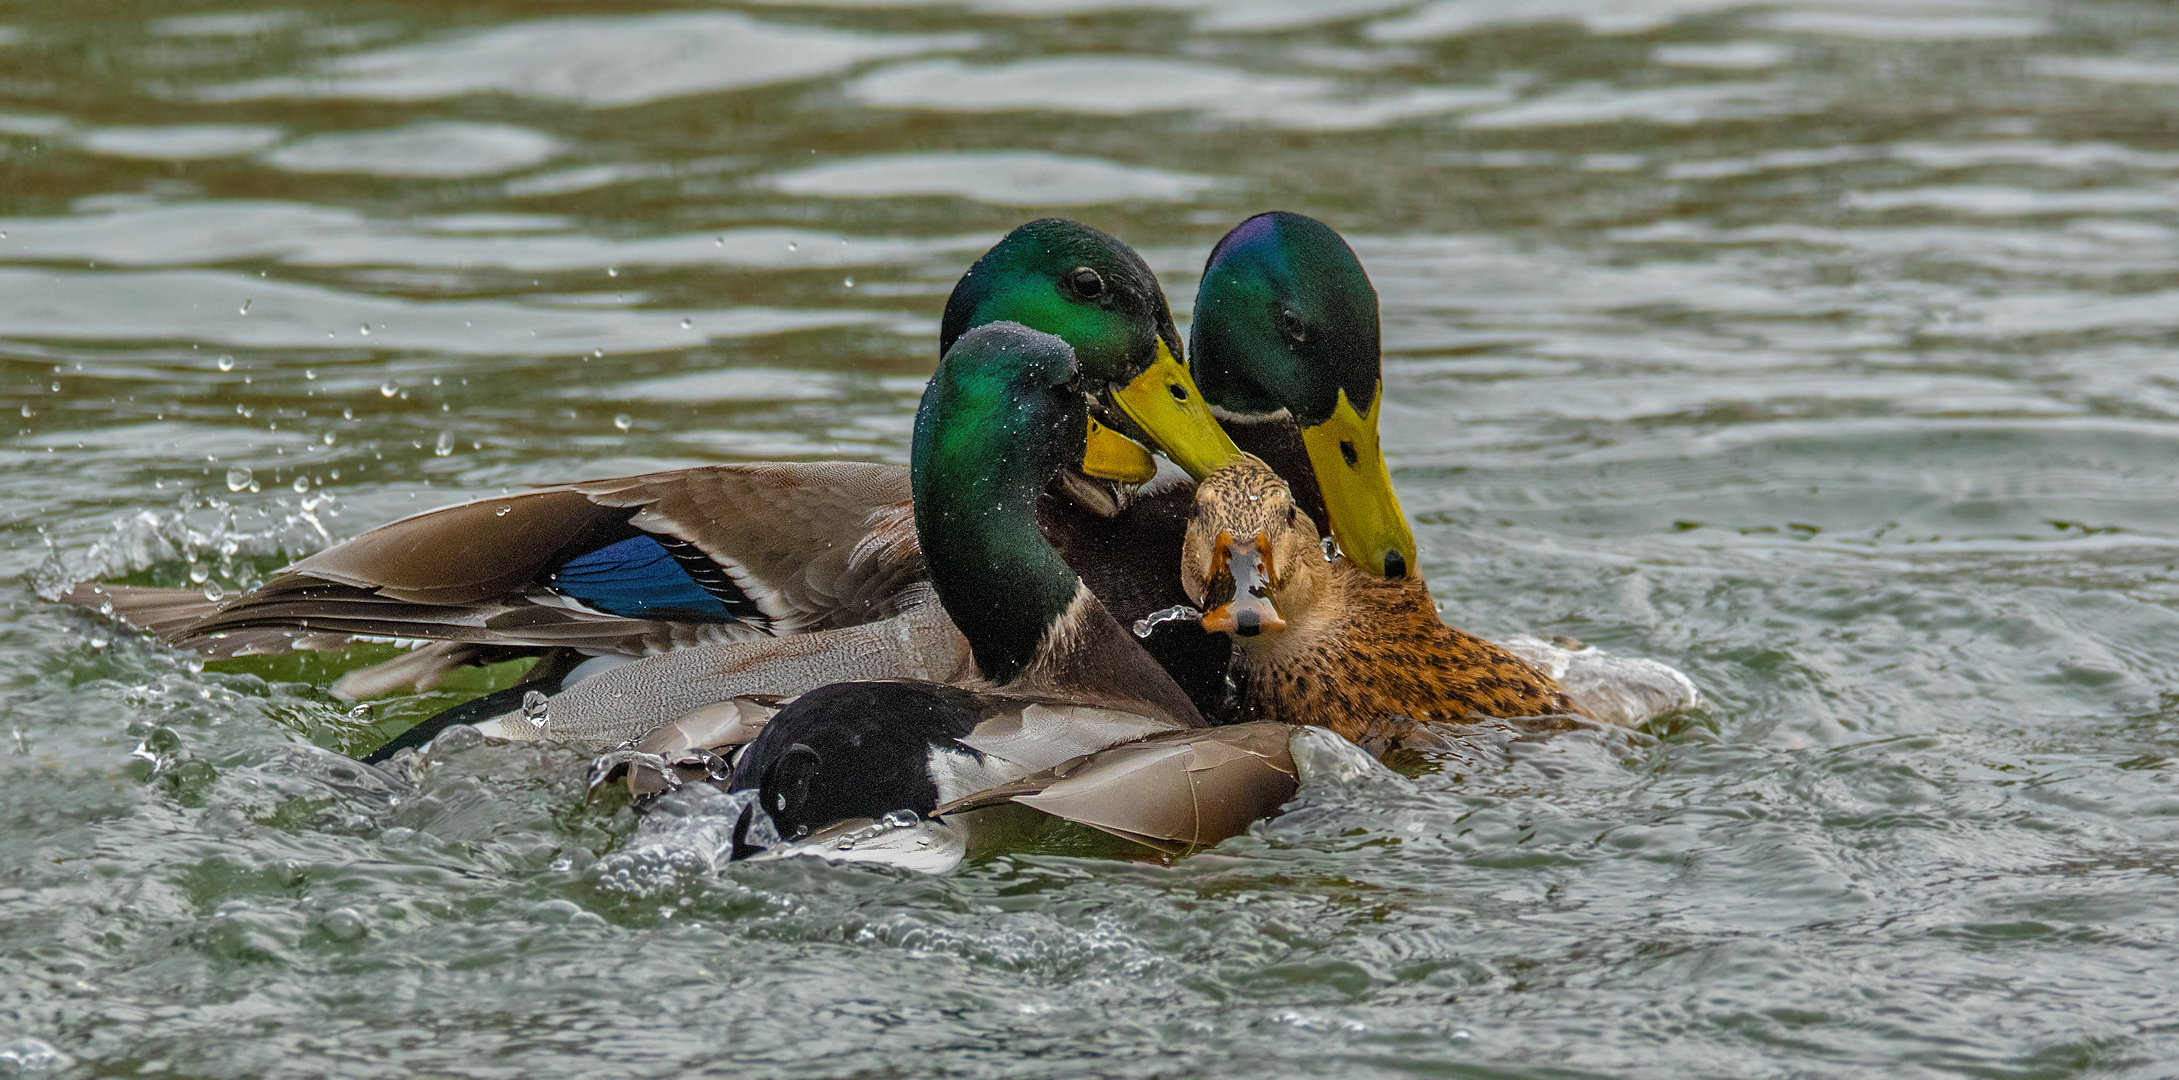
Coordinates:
<point>1247,623</point>
<point>1346,450</point>
<point>1395,565</point>
<point>1180,393</point>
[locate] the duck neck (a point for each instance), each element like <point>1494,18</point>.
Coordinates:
<point>982,455</point>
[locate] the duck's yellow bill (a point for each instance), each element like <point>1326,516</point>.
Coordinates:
<point>1110,455</point>
<point>1165,403</point>
<point>1350,470</point>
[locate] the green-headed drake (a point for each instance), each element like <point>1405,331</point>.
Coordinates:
<point>647,564</point>
<point>1051,676</point>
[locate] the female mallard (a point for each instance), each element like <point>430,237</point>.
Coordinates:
<point>1318,642</point>
<point>1053,676</point>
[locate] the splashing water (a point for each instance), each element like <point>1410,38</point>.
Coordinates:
<point>1148,624</point>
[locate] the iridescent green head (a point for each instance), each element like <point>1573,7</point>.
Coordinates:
<point>999,420</point>
<point>1286,327</point>
<point>1093,292</point>
<point>1285,319</point>
<point>1071,281</point>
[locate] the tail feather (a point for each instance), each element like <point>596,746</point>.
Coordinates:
<point>415,671</point>
<point>167,613</point>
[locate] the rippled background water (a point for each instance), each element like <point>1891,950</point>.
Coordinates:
<point>1824,348</point>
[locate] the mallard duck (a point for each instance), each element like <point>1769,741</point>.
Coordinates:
<point>1317,641</point>
<point>1053,675</point>
<point>712,556</point>
<point>669,560</point>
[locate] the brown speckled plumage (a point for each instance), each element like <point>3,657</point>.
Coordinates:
<point>1387,654</point>
<point>1357,650</point>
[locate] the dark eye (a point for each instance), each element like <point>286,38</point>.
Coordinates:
<point>1291,325</point>
<point>1086,283</point>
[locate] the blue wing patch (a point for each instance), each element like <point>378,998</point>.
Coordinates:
<point>643,578</point>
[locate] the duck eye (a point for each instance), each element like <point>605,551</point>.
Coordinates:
<point>1291,325</point>
<point>1086,283</point>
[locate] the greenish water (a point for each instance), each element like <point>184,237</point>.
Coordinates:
<point>1825,349</point>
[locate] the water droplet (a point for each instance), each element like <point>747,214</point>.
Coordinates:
<point>28,1056</point>
<point>213,592</point>
<point>850,283</point>
<point>445,445</point>
<point>389,388</point>
<point>718,241</point>
<point>1149,624</point>
<point>246,306</point>
<point>301,485</point>
<point>365,330</point>
<point>685,324</point>
<point>226,363</point>
<point>26,412</point>
<point>1460,1036</point>
<point>310,374</point>
<point>326,438</point>
<point>598,353</point>
<point>612,271</point>
<point>503,511</point>
<point>537,708</point>
<point>199,573</point>
<point>900,819</point>
<point>344,924</point>
<point>1331,549</point>
<point>623,421</point>
<point>792,246</point>
<point>238,478</point>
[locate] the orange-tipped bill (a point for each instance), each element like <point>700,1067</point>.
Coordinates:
<point>1241,583</point>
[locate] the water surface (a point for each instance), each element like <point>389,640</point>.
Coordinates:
<point>1822,348</point>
